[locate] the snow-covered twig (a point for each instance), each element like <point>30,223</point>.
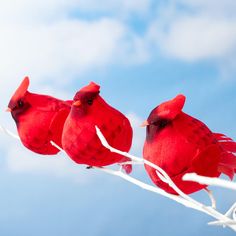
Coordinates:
<point>209,181</point>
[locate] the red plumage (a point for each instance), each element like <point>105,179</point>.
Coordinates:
<point>79,138</point>
<point>181,144</point>
<point>39,119</point>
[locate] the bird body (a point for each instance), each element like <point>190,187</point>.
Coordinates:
<point>79,138</point>
<point>181,144</point>
<point>39,119</point>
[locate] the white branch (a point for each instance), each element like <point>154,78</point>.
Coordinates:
<point>230,213</point>
<point>161,173</point>
<point>211,196</point>
<point>183,199</point>
<point>209,181</point>
<point>56,146</point>
<point>164,176</point>
<point>6,131</point>
<point>147,186</point>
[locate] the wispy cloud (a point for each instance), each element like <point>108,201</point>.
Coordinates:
<point>203,30</point>
<point>117,7</point>
<point>66,48</point>
<point>51,10</point>
<point>44,39</point>
<point>20,160</point>
<point>194,38</point>
<point>50,39</point>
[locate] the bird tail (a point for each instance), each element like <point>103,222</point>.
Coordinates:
<point>227,164</point>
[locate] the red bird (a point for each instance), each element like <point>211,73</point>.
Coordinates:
<point>79,138</point>
<point>181,144</point>
<point>39,119</point>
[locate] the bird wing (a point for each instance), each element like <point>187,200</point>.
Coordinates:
<point>206,162</point>
<point>56,126</point>
<point>213,147</point>
<point>194,131</point>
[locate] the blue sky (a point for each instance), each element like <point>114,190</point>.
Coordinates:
<point>141,53</point>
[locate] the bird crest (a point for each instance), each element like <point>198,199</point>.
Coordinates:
<point>92,88</point>
<point>88,92</point>
<point>21,90</point>
<point>170,109</point>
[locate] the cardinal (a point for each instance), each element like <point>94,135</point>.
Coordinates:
<point>181,144</point>
<point>79,138</point>
<point>39,119</point>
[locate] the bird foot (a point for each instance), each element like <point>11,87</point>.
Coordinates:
<point>89,167</point>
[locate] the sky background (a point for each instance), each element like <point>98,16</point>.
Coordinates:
<point>141,52</point>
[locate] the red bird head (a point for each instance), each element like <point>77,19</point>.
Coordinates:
<point>17,104</point>
<point>85,98</point>
<point>166,111</point>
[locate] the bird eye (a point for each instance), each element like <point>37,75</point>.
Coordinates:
<point>20,103</point>
<point>90,102</point>
<point>161,123</point>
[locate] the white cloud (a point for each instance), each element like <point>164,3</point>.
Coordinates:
<point>204,30</point>
<point>225,7</point>
<point>197,37</point>
<point>65,49</point>
<point>116,6</point>
<point>49,41</point>
<point>29,12</point>
<point>19,160</point>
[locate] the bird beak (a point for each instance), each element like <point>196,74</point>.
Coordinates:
<point>144,124</point>
<point>77,103</point>
<point>8,110</point>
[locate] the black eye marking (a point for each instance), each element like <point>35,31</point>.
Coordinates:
<point>20,103</point>
<point>90,102</point>
<point>162,123</point>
